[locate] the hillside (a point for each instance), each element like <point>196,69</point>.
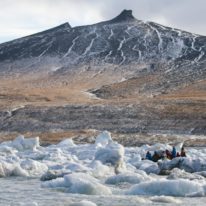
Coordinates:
<point>124,75</point>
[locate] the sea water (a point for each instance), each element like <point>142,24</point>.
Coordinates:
<point>18,191</point>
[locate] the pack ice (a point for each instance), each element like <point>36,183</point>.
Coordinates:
<point>104,168</point>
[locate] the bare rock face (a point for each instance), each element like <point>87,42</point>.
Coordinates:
<point>125,15</point>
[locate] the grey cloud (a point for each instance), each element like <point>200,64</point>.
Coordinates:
<point>188,15</point>
<point>22,17</point>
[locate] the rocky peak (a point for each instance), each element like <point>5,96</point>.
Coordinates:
<point>125,15</point>
<point>61,27</point>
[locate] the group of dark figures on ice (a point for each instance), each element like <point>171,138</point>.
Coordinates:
<point>165,154</point>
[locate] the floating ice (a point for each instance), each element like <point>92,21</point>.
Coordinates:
<point>181,174</point>
<point>178,188</point>
<point>83,203</point>
<point>5,149</point>
<point>149,167</point>
<point>103,139</point>
<point>156,147</point>
<point>112,153</point>
<point>186,163</point>
<point>100,170</point>
<point>8,169</point>
<point>54,183</point>
<point>165,199</point>
<point>66,143</point>
<point>34,168</point>
<point>76,167</point>
<point>91,168</point>
<point>20,143</point>
<point>131,178</point>
<point>25,168</point>
<point>202,173</point>
<point>79,183</point>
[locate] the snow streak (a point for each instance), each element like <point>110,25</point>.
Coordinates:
<point>121,44</point>
<point>91,43</point>
<point>123,58</point>
<point>158,35</point>
<point>111,34</point>
<point>49,46</point>
<point>71,47</point>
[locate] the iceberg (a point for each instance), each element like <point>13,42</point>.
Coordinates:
<point>185,163</point>
<point>177,188</point>
<point>8,169</point>
<point>103,139</point>
<point>132,178</point>
<point>20,143</point>
<point>181,174</point>
<point>112,154</point>
<point>66,143</point>
<point>79,183</point>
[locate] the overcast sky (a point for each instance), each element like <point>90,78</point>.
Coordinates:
<point>23,17</point>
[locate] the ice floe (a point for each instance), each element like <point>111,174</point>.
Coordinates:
<point>83,203</point>
<point>112,153</point>
<point>176,188</point>
<point>103,139</point>
<point>133,178</point>
<point>20,143</point>
<point>106,168</point>
<point>79,183</point>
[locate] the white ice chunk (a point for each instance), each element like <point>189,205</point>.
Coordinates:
<point>20,143</point>
<point>131,178</point>
<point>57,155</point>
<point>100,170</point>
<point>112,154</point>
<point>83,203</point>
<point>55,183</point>
<point>80,183</point>
<point>103,139</point>
<point>2,173</point>
<point>8,169</point>
<point>186,163</point>
<point>34,168</point>
<point>85,184</point>
<point>165,199</point>
<point>159,146</point>
<point>66,143</point>
<point>18,171</point>
<point>181,174</point>
<point>7,149</point>
<point>178,188</point>
<point>75,167</point>
<point>148,166</point>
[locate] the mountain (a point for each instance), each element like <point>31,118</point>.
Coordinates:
<point>122,61</point>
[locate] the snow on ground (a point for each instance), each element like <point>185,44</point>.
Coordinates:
<point>105,168</point>
<point>90,95</point>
